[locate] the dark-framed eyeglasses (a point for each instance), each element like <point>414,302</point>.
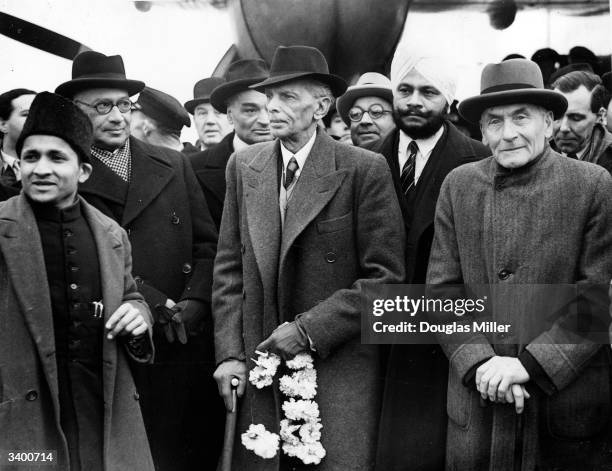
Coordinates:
<point>105,106</point>
<point>375,111</point>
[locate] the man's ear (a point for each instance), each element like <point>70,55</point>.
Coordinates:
<point>230,119</point>
<point>3,126</point>
<point>86,170</point>
<point>323,106</point>
<point>602,116</point>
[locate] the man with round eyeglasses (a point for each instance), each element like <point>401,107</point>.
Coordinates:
<point>154,195</point>
<point>366,108</point>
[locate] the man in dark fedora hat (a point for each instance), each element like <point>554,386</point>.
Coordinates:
<point>71,313</point>
<point>246,112</point>
<point>534,398</point>
<point>153,194</point>
<point>211,125</point>
<point>307,223</point>
<point>158,119</point>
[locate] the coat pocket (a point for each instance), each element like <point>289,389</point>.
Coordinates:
<point>582,409</point>
<point>335,224</point>
<point>458,402</point>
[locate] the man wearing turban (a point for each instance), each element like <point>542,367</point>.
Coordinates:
<point>421,151</point>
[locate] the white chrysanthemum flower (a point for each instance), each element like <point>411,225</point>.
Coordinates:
<point>302,383</point>
<point>300,361</point>
<point>311,453</point>
<point>287,430</point>
<point>260,441</point>
<point>259,377</point>
<point>301,410</point>
<point>268,361</point>
<point>310,432</point>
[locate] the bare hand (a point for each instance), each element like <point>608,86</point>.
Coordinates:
<point>286,340</point>
<point>126,320</point>
<point>495,377</point>
<point>517,394</point>
<point>224,374</point>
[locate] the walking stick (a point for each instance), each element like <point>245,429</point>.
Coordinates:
<point>225,464</point>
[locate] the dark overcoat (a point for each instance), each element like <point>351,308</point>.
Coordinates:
<point>29,397</point>
<point>173,246</point>
<point>342,232</point>
<point>413,421</point>
<point>546,223</point>
<point>209,167</point>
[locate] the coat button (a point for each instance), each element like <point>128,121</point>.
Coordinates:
<point>504,274</point>
<point>67,233</point>
<point>186,268</point>
<point>31,395</point>
<point>175,219</point>
<point>73,286</point>
<point>330,257</point>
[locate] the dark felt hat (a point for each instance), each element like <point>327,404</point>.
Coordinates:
<point>201,92</point>
<point>297,62</point>
<point>509,82</point>
<point>163,108</point>
<point>239,77</point>
<point>576,66</point>
<point>54,115</point>
<point>91,69</point>
<point>545,54</point>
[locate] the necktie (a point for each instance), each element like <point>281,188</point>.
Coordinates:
<point>8,176</point>
<point>407,176</point>
<point>292,167</point>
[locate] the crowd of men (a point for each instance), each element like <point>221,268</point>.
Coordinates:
<point>139,274</point>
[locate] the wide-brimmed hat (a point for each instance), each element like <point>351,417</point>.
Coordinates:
<point>201,92</point>
<point>163,108</point>
<point>369,84</point>
<point>91,69</point>
<point>296,62</point>
<point>509,82</point>
<point>239,77</point>
<point>53,115</point>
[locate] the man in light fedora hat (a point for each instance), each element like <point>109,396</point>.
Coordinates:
<point>154,195</point>
<point>211,125</point>
<point>307,223</point>
<point>539,397</point>
<point>246,112</point>
<point>367,108</point>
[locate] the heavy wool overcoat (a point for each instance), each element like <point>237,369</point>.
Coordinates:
<point>342,231</point>
<point>548,223</point>
<point>29,398</point>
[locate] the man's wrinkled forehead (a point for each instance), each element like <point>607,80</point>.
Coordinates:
<point>512,109</point>
<point>101,93</point>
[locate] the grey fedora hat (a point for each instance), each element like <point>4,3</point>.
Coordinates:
<point>509,82</point>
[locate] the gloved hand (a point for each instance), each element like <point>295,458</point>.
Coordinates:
<point>287,340</point>
<point>191,313</point>
<point>173,328</point>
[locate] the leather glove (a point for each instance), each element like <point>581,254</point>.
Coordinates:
<point>173,328</point>
<point>287,340</point>
<point>191,313</point>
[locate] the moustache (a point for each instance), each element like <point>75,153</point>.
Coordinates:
<point>411,112</point>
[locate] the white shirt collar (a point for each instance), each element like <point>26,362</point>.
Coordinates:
<point>10,161</point>
<point>426,147</point>
<point>238,143</point>
<point>300,155</point>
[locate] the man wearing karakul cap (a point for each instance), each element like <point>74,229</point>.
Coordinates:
<point>308,223</point>
<point>71,313</point>
<point>526,215</point>
<point>420,153</point>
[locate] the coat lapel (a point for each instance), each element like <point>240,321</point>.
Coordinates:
<point>22,249</point>
<point>105,184</point>
<point>108,242</point>
<point>212,175</point>
<point>315,187</point>
<point>150,175</point>
<point>263,214</point>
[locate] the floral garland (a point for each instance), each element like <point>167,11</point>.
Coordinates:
<point>300,430</point>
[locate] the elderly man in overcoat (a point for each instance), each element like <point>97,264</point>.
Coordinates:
<point>525,215</point>
<point>154,195</point>
<point>308,223</point>
<point>71,314</point>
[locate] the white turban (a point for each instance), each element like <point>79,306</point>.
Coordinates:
<point>434,69</point>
